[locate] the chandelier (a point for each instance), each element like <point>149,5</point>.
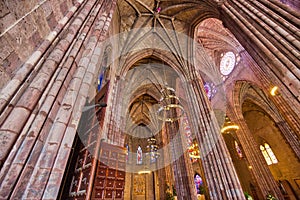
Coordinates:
<point>229,126</point>
<point>170,108</point>
<point>153,149</point>
<point>194,152</point>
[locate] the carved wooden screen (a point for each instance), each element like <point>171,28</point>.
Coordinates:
<point>110,176</point>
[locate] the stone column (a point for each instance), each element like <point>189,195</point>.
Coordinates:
<point>260,170</point>
<point>48,109</point>
<point>290,137</point>
<point>272,40</point>
<point>184,182</point>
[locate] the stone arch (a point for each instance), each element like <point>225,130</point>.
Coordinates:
<point>247,91</point>
<point>250,91</point>
<point>155,53</point>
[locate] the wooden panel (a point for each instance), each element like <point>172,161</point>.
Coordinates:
<point>112,164</point>
<point>121,166</point>
<point>110,173</point>
<point>74,185</point>
<point>102,172</point>
<point>109,183</point>
<point>119,184</point>
<point>120,175</point>
<point>99,193</point>
<point>83,181</point>
<point>100,182</point>
<point>103,162</point>
<point>109,193</point>
<point>104,153</point>
<point>114,155</point>
<point>122,157</point>
<point>119,194</point>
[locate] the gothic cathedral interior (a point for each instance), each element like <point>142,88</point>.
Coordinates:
<point>150,99</point>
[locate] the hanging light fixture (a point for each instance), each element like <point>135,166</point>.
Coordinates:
<point>274,91</point>
<point>228,125</point>
<point>194,152</point>
<point>153,149</point>
<point>170,107</point>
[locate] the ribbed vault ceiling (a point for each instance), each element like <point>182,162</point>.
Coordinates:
<point>179,16</point>
<point>170,14</point>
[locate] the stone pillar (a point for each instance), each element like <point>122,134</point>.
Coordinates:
<point>260,170</point>
<point>48,105</point>
<point>290,137</point>
<point>272,40</point>
<point>183,174</point>
<point>222,180</point>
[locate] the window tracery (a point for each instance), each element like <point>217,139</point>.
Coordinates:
<point>139,156</point>
<point>227,63</point>
<point>268,154</point>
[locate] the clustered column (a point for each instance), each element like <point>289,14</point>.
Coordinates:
<point>219,171</point>
<point>292,124</point>
<point>260,170</point>
<point>48,108</point>
<point>273,39</point>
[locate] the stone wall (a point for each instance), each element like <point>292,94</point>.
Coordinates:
<point>23,26</point>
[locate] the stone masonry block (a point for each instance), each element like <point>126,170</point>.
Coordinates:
<point>45,131</point>
<point>62,74</point>
<point>53,187</point>
<point>7,21</point>
<point>48,155</point>
<point>80,72</point>
<point>21,186</point>
<point>16,120</point>
<point>40,81</point>
<point>29,99</point>
<point>64,113</point>
<point>56,55</point>
<point>55,88</point>
<point>10,180</point>
<point>75,84</point>
<point>7,138</point>
<point>47,105</point>
<point>63,45</point>
<point>88,78</point>
<point>37,181</point>
<point>5,48</point>
<point>9,89</point>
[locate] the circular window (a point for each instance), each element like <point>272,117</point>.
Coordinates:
<point>227,63</point>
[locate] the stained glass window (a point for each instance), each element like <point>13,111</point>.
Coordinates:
<point>198,183</point>
<point>268,154</point>
<point>238,149</point>
<point>210,90</point>
<point>227,63</point>
<point>139,155</point>
<point>127,153</point>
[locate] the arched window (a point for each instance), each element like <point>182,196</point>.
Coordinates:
<point>198,183</point>
<point>268,154</point>
<point>127,152</point>
<point>104,69</point>
<point>139,156</point>
<point>238,149</point>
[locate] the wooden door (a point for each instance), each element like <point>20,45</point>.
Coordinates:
<point>97,169</point>
<point>110,176</point>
